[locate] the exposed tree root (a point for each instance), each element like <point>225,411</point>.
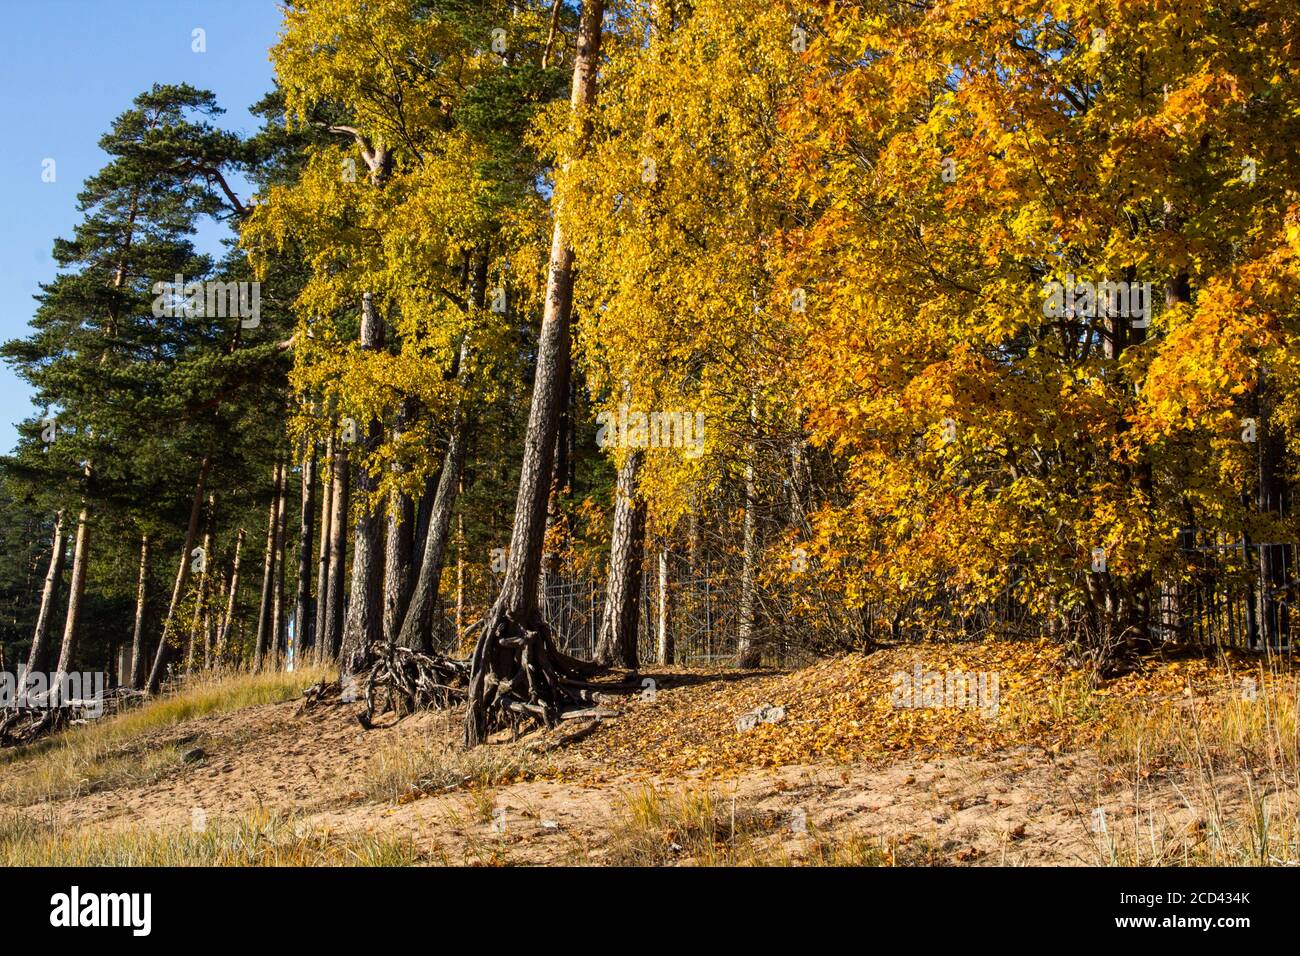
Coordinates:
<point>26,724</point>
<point>408,681</point>
<point>392,678</point>
<point>517,672</point>
<point>516,676</point>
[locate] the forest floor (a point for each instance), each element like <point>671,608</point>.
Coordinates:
<point>1182,760</point>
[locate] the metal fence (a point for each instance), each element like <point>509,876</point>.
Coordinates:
<point>1233,593</point>
<point>1226,592</point>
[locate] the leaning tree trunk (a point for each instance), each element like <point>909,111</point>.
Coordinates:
<point>515,667</point>
<point>263,639</point>
<point>365,618</point>
<point>417,625</point>
<point>182,577</point>
<point>617,639</point>
<point>302,609</point>
<point>223,635</point>
<point>141,613</point>
<point>323,555</point>
<point>329,640</point>
<point>38,658</point>
<point>76,592</point>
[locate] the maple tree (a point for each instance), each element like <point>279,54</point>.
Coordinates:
<point>952,168</point>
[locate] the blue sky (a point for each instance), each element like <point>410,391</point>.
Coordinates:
<point>68,68</point>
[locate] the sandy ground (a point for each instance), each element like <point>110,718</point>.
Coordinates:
<point>1016,807</point>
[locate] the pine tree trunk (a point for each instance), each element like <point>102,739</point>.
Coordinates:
<point>617,640</point>
<point>38,658</point>
<point>329,644</point>
<point>397,549</point>
<point>141,613</point>
<point>417,626</point>
<point>223,636</point>
<point>323,559</point>
<point>515,657</point>
<point>156,673</point>
<point>302,612</point>
<point>263,641</point>
<point>365,616</point>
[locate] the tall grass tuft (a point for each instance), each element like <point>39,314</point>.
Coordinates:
<point>257,839</point>
<point>115,751</point>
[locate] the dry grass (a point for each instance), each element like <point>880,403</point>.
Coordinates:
<point>401,772</point>
<point>258,839</point>
<point>1234,756</point>
<point>113,752</point>
<point>701,828</point>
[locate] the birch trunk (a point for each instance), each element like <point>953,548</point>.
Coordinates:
<point>38,658</point>
<point>141,613</point>
<point>617,640</point>
<point>323,559</point>
<point>263,640</point>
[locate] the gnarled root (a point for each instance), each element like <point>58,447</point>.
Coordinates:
<point>411,681</point>
<point>390,677</point>
<point>517,672</point>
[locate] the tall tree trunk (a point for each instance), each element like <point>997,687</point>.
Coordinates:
<point>554,506</point>
<point>277,644</point>
<point>365,617</point>
<point>417,625</point>
<point>329,643</point>
<point>323,559</point>
<point>302,609</point>
<point>141,614</point>
<point>1272,498</point>
<point>212,619</point>
<point>460,569</point>
<point>38,658</point>
<point>262,646</point>
<point>182,577</point>
<point>76,591</point>
<point>201,600</point>
<point>398,547</point>
<point>665,624</point>
<point>748,652</point>
<point>223,636</point>
<point>423,512</point>
<point>515,656</point>
<point>617,640</point>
